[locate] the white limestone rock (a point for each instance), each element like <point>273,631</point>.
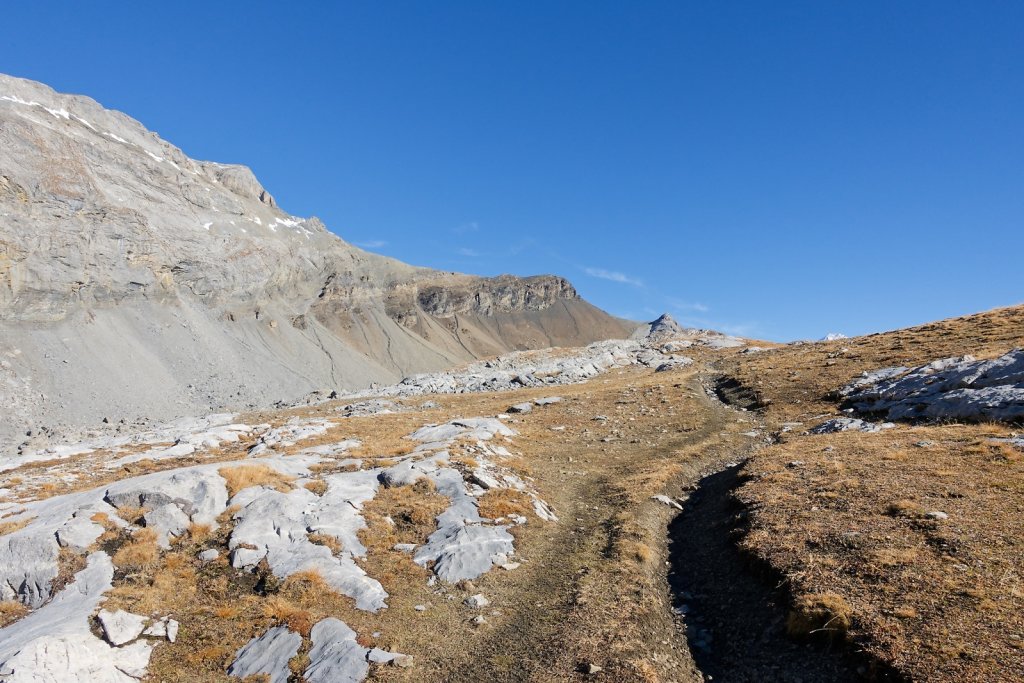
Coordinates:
<point>168,521</point>
<point>849,424</point>
<point>335,656</point>
<point>959,388</point>
<point>267,654</point>
<point>54,644</point>
<point>120,627</point>
<point>278,524</point>
<point>78,533</point>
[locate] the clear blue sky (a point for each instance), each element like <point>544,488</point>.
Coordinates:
<point>777,169</point>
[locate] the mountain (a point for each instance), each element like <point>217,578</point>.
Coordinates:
<point>138,282</point>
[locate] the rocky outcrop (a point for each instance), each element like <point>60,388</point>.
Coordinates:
<point>125,265</point>
<point>960,388</point>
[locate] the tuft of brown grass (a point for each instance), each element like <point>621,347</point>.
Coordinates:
<point>198,533</point>
<point>131,513</point>
<point>499,503</point>
<point>139,553</point>
<point>243,476</point>
<point>904,508</point>
<point>11,527</point>
<point>284,612</point>
<point>327,541</point>
<point>317,486</point>
<point>828,614</point>
<point>11,611</point>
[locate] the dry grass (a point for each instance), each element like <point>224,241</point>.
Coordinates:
<point>11,527</point>
<point>413,512</point>
<point>327,541</point>
<point>285,613</point>
<point>501,503</point>
<point>239,477</point>
<point>317,486</point>
<point>11,611</point>
<point>140,552</point>
<point>824,613</point>
<point>852,521</point>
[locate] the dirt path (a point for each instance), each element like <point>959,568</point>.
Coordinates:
<point>581,610</point>
<point>578,602</point>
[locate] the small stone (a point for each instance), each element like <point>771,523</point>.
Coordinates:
<point>420,608</point>
<point>209,555</point>
<point>936,514</point>
<point>479,620</point>
<point>521,408</point>
<point>667,501</point>
<point>158,629</point>
<point>590,668</point>
<point>477,601</point>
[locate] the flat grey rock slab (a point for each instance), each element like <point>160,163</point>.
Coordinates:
<point>520,408</point>
<point>120,627</point>
<point>267,654</point>
<point>275,526</point>
<point>550,400</point>
<point>335,656</point>
<point>464,552</point>
<point>78,533</point>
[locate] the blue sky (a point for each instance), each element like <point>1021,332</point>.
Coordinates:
<point>781,169</point>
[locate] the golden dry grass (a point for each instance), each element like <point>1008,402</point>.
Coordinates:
<point>239,477</point>
<point>10,527</point>
<point>11,611</point>
<point>500,503</point>
<point>140,552</point>
<point>851,521</point>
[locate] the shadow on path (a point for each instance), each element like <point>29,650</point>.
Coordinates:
<point>735,614</point>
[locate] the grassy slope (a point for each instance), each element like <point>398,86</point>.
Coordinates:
<point>939,600</point>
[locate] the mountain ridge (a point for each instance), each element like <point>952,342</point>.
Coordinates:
<point>132,275</point>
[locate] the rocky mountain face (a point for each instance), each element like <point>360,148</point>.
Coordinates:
<point>138,282</point>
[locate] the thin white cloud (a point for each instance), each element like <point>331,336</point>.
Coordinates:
<point>471,226</point>
<point>613,276</point>
<point>466,251</point>
<point>372,244</point>
<point>688,306</point>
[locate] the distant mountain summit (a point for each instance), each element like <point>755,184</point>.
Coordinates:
<point>136,281</point>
